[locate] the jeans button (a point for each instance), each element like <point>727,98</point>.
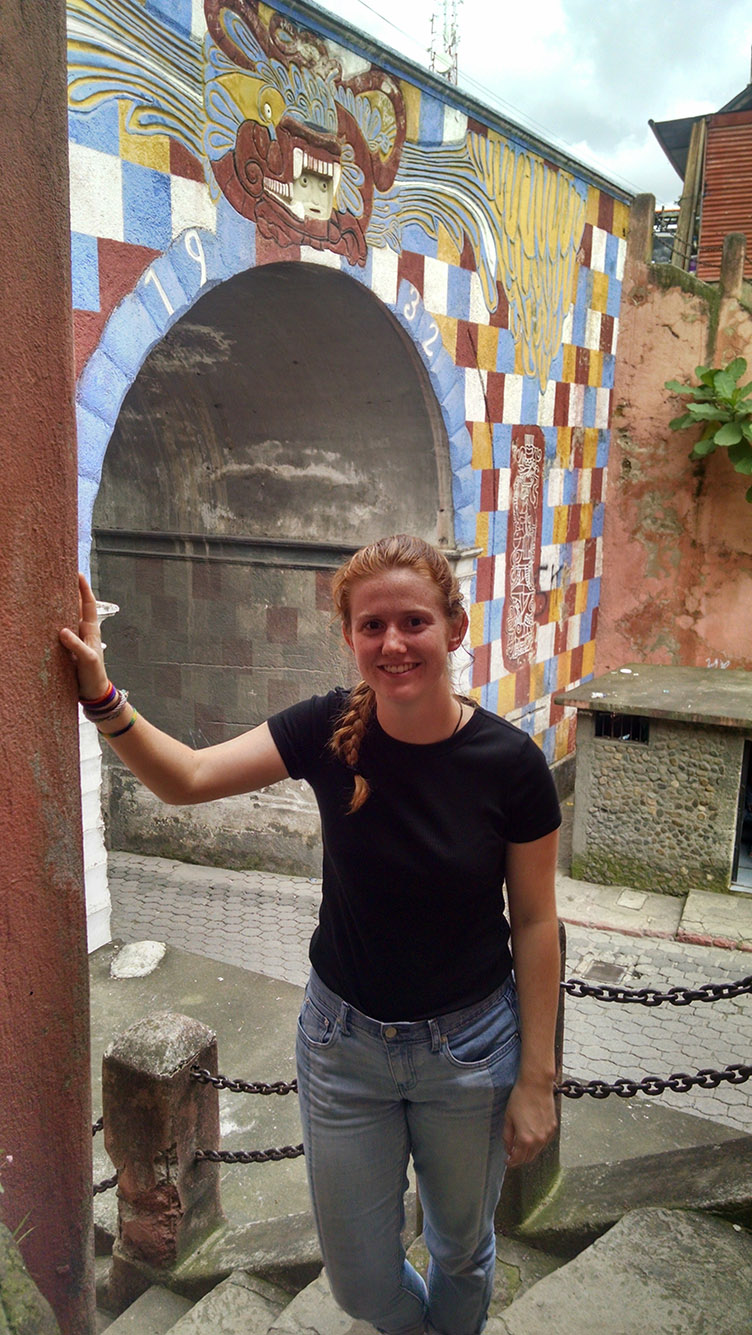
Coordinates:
<point>390,1031</point>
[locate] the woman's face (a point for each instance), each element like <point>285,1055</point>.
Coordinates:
<point>400,635</point>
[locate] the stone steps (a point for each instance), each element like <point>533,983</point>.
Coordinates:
<point>669,1272</point>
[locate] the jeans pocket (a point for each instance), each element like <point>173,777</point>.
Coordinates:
<point>317,1029</point>
<point>487,1038</point>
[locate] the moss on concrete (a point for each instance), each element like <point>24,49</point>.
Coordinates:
<point>613,869</point>
<point>23,1310</point>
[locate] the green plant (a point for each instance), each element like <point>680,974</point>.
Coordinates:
<point>724,408</point>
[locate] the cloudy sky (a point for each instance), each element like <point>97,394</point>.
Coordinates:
<point>585,74</point>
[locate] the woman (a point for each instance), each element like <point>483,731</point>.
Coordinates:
<point>414,1038</point>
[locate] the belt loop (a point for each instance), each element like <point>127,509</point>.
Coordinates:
<point>344,1018</point>
<point>433,1025</point>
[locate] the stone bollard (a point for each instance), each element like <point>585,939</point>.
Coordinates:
<point>527,1186</point>
<point>155,1118</point>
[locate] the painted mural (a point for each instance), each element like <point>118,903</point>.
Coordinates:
<point>225,133</point>
<point>314,156</point>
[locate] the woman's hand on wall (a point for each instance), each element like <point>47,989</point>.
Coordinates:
<point>85,646</point>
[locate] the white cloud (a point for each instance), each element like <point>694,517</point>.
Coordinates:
<point>586,74</point>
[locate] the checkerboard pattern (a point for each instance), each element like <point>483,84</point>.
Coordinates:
<point>147,240</point>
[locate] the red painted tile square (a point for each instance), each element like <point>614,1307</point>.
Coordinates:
<point>466,353</point>
<point>586,245</point>
<point>484,581</point>
<point>120,267</point>
<point>183,163</point>
<point>467,258</point>
<point>591,553</point>
<point>500,317</point>
<point>411,268</point>
<point>522,687</point>
<point>482,665</point>
<point>489,492</point>
<point>561,404</point>
<point>573,523</point>
<point>87,331</point>
<point>607,333</point>
<point>495,395</point>
<point>582,366</point>
<point>606,212</point>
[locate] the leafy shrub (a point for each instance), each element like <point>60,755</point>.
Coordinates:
<point>724,407</point>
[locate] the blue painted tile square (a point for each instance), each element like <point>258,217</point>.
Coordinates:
<point>85,272</point>
<point>146,207</point>
<point>98,129</point>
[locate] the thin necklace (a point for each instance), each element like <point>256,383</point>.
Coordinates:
<point>459,720</point>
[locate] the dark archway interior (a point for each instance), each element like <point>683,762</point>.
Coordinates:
<point>283,422</point>
<point>286,404</point>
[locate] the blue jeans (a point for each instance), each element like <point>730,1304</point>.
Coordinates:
<point>372,1094</point>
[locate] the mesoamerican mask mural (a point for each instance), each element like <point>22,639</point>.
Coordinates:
<point>311,144</point>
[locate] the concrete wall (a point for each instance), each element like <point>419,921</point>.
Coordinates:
<point>678,533</point>
<point>660,815</point>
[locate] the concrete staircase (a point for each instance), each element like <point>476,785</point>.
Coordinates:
<point>666,1272</point>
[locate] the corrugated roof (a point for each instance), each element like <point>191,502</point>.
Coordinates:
<point>727,195</point>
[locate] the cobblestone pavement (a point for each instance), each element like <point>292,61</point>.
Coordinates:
<point>263,922</point>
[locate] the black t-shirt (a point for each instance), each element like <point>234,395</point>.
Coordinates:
<point>411,922</point>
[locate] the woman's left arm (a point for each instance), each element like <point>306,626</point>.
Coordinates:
<point>530,1118</point>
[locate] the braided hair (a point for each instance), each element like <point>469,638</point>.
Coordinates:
<point>398,552</point>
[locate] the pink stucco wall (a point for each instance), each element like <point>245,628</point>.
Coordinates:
<point>677,585</point>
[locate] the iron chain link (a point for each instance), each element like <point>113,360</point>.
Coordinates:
<point>250,1156</point>
<point>680,1082</point>
<point>243,1086</point>
<point>109,1182</point>
<point>650,996</point>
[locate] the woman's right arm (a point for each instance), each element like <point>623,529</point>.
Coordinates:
<point>174,772</point>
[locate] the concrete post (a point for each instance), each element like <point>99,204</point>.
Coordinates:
<point>732,264</point>
<point>526,1187</point>
<point>45,1075</point>
<point>640,234</point>
<point>155,1118</point>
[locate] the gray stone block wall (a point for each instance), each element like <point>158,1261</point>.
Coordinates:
<point>658,816</point>
<point>208,648</point>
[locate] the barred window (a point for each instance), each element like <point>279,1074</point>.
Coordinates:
<point>622,727</point>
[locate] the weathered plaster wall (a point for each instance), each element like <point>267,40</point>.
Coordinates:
<point>678,533</point>
<point>45,1078</point>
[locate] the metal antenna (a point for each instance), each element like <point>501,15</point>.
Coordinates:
<point>445,38</point>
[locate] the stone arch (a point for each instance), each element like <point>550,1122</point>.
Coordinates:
<point>225,614</point>
<point>196,262</point>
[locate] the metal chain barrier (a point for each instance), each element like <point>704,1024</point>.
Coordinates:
<point>679,1082</point>
<point>250,1156</point>
<point>109,1182</point>
<point>650,996</point>
<point>243,1086</point>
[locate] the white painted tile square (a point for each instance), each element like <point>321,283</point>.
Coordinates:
<point>96,192</point>
<point>435,285</point>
